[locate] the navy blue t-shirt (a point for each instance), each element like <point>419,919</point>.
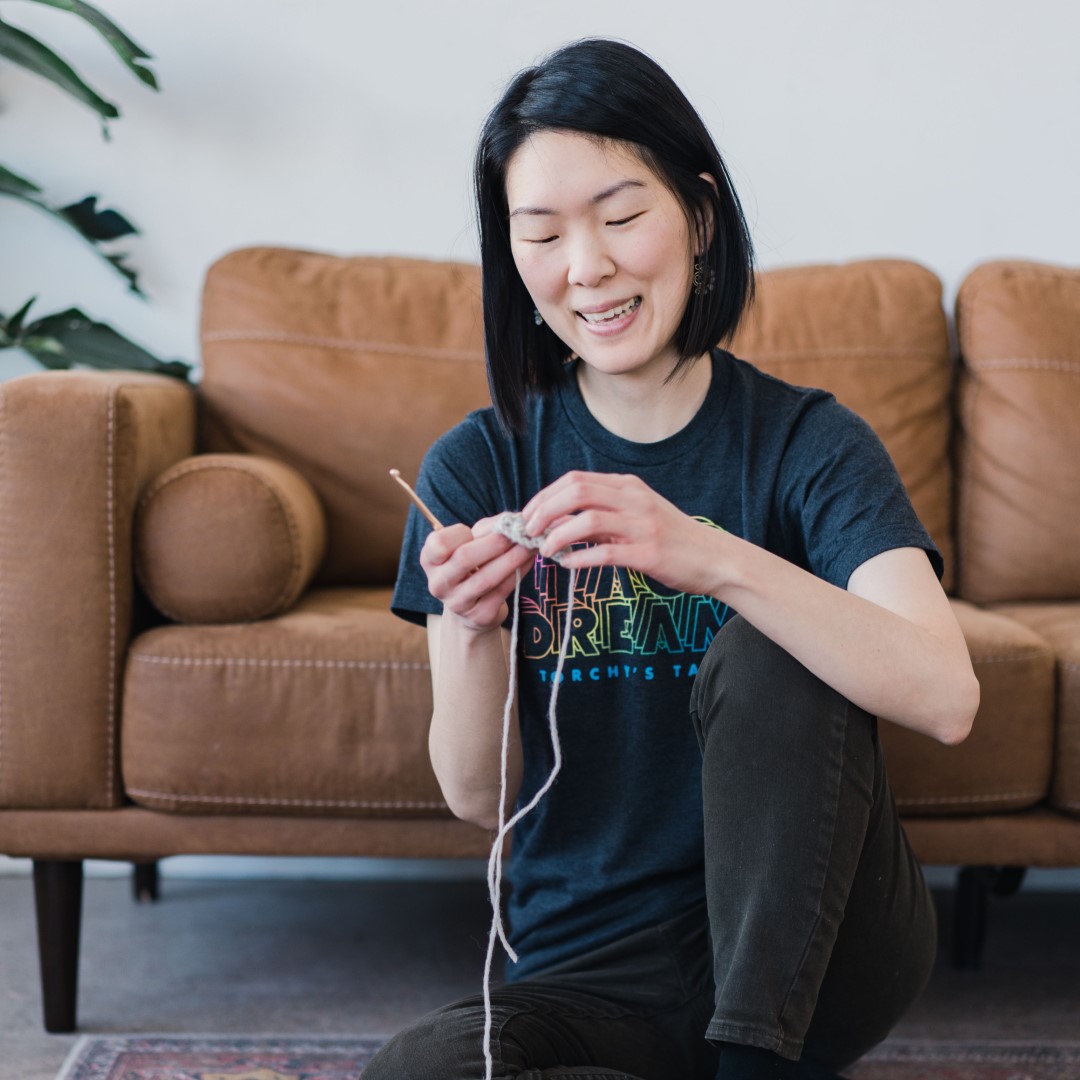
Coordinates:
<point>616,845</point>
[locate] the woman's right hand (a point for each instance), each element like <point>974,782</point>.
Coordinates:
<point>473,571</point>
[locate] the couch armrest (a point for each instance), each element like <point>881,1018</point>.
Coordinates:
<point>77,448</point>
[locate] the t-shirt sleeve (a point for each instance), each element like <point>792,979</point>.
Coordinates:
<point>842,500</point>
<point>457,483</point>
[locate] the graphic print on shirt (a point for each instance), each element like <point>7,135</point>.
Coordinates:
<point>624,625</point>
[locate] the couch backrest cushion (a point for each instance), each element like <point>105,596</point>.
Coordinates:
<point>874,333</point>
<point>347,367</point>
<point>343,368</point>
<point>1018,526</point>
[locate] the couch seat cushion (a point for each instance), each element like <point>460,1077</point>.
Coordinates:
<point>1005,763</point>
<point>323,710</point>
<point>1059,624</point>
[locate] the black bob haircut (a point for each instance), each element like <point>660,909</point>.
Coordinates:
<point>605,90</point>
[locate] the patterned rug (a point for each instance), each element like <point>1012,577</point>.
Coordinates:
<point>150,1057</point>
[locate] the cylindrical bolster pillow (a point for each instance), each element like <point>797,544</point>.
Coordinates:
<point>228,538</point>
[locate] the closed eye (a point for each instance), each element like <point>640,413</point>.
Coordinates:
<point>626,221</point>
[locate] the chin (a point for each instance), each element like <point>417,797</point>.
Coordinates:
<point>623,361</point>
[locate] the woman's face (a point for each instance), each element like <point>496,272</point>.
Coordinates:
<point>603,248</point>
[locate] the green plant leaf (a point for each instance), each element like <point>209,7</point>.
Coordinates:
<point>72,337</point>
<point>125,48</point>
<point>93,225</point>
<point>13,184</point>
<point>125,271</point>
<point>28,52</point>
<point>48,352</point>
<point>97,224</point>
<point>11,328</point>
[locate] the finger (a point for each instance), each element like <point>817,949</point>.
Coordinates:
<point>596,492</point>
<point>479,551</point>
<point>465,582</point>
<point>442,543</point>
<point>482,594</point>
<point>600,555</point>
<point>590,526</point>
<point>558,486</point>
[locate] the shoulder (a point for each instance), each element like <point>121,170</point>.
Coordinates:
<point>472,440</point>
<point>482,427</point>
<point>788,417</point>
<point>812,409</point>
<point>476,428</point>
<point>762,392</point>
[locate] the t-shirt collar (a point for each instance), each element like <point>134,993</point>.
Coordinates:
<point>629,452</point>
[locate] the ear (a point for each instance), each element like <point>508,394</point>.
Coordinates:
<point>706,219</point>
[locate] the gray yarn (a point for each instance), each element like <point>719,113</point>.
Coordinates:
<point>512,526</point>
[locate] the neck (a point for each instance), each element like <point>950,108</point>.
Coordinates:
<point>641,406</point>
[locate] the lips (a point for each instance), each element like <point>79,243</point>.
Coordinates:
<point>597,314</point>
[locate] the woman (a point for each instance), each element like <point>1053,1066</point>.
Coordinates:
<point>717,885</point>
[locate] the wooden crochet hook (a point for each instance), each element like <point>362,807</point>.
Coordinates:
<point>435,523</point>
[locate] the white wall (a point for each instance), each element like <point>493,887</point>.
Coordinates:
<point>940,130</point>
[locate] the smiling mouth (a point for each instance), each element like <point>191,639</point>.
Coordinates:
<point>613,313</point>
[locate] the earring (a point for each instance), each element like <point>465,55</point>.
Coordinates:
<point>537,317</point>
<point>702,284</point>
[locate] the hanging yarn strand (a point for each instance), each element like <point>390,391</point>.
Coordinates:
<point>512,526</point>
<point>494,872</point>
<point>495,859</point>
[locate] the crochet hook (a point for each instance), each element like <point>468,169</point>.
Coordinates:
<point>435,523</point>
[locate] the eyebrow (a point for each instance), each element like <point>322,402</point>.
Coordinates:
<point>540,211</point>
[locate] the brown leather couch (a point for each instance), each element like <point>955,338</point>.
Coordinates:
<point>196,652</point>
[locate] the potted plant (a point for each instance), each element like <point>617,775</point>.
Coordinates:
<point>71,337</point>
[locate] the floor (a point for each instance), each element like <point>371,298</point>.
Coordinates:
<point>366,957</point>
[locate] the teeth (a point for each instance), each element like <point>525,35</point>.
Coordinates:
<point>612,313</point>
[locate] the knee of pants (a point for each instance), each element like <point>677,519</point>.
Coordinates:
<point>746,679</point>
<point>443,1045</point>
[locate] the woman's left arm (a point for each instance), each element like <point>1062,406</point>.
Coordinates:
<point>889,642</point>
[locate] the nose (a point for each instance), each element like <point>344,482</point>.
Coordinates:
<point>589,262</point>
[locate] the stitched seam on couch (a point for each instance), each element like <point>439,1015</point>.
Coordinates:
<point>403,665</point>
<point>110,738</point>
<point>431,352</point>
<point>263,800</point>
<point>1004,658</point>
<point>963,510</point>
<point>1030,363</point>
<point>241,467</point>
<point>834,270</point>
<point>290,588</point>
<point>853,352</point>
<point>970,798</point>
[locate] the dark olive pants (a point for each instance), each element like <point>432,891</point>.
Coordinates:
<point>817,934</point>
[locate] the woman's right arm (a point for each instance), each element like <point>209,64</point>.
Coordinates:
<point>472,571</point>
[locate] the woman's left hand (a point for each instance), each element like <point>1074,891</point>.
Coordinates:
<point>628,524</point>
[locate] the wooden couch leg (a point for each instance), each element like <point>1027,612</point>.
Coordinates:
<point>58,890</point>
<point>145,882</point>
<point>973,887</point>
